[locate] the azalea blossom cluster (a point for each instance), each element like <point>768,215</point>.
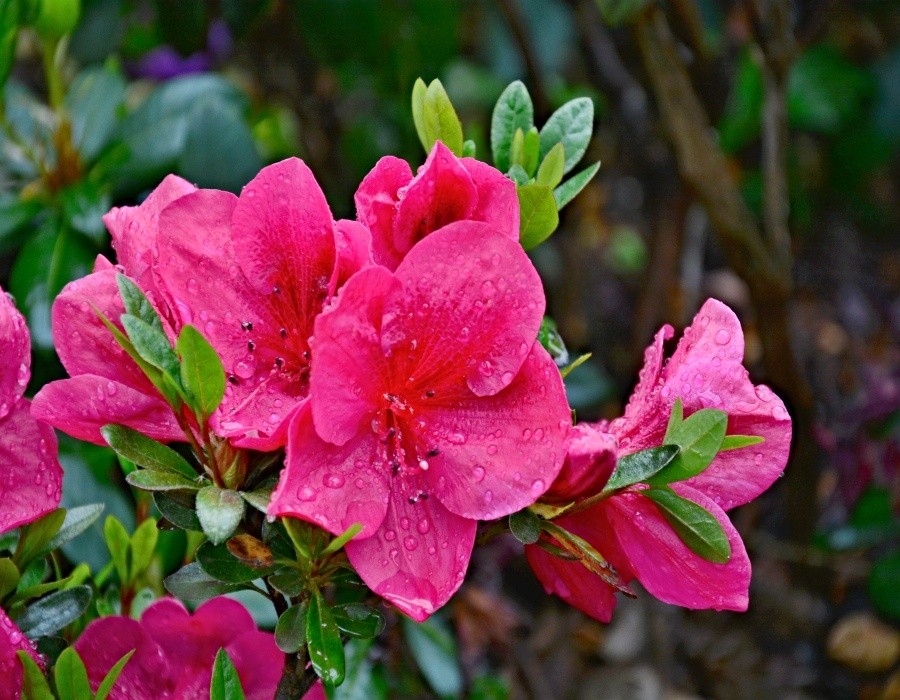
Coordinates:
<point>395,361</point>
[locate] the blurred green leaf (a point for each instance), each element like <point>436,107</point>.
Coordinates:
<point>183,24</point>
<point>76,521</point>
<point>359,683</point>
<point>9,35</point>
<point>884,582</point>
<point>9,577</point>
<point>94,101</point>
<point>740,122</point>
<point>434,649</point>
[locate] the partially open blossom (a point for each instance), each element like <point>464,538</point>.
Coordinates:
<point>627,528</point>
<point>431,406</point>
<point>252,273</point>
<point>401,209</point>
<point>30,474</point>
<point>175,651</point>
<point>105,384</point>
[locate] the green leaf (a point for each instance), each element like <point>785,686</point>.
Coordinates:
<point>137,304</point>
<point>440,121</point>
<point>9,35</point>
<point>225,684</point>
<point>94,101</point>
<point>259,497</point>
<point>513,110</point>
<point>580,360</point>
<point>551,171</point>
<point>418,110</point>
<point>323,639</point>
<point>142,547</point>
<point>551,340</point>
<point>146,452</point>
<point>531,151</point>
<point>525,526</point>
<point>538,214</point>
<point>359,683</point>
<point>358,620</point>
<point>699,436</point>
<point>518,175</point>
<point>568,190</point>
<point>77,520</point>
<point>9,577</point>
<point>152,345</point>
<point>640,466</point>
<point>71,677</point>
<point>693,524</point>
<point>342,539</point>
<point>434,649</point>
<point>290,632</point>
<point>676,418</point>
<point>34,537</point>
<point>572,126</point>
<point>179,508</point>
<point>220,512</point>
<point>192,584</point>
<point>219,563</point>
<point>118,542</point>
<point>202,373</point>
<point>884,582</point>
<point>54,612</point>
<point>109,680</point>
<point>34,683</point>
<point>469,149</point>
<point>159,480</point>
<point>517,150</point>
<point>735,442</point>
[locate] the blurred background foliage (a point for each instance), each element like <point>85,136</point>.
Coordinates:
<point>688,98</point>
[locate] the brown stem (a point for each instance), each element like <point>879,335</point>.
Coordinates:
<point>296,678</point>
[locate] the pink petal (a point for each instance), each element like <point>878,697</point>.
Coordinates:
<point>148,675</point>
<point>498,454</point>
<point>498,203</point>
<point>15,354</point>
<point>376,206</point>
<point>29,468</point>
<point>101,263</point>
<point>198,272</point>
<point>334,487</point>
<point>354,251</point>
<point>470,307</point>
<point>80,406</point>
<point>84,344</point>
<point>418,558</point>
<point>134,229</point>
<point>11,641</point>
<point>348,363</point>
<point>666,567</point>
<point>441,193</point>
<point>590,461</point>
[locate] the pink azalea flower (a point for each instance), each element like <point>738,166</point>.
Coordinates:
<point>401,209</point>
<point>627,529</point>
<point>175,651</point>
<point>431,406</point>
<point>252,273</point>
<point>30,474</point>
<point>106,385</point>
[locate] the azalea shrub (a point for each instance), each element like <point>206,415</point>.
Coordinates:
<point>333,414</point>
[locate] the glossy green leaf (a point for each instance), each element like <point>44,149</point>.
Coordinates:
<point>538,214</point>
<point>699,436</point>
<point>572,126</point>
<point>290,632</point>
<point>146,452</point>
<point>54,612</point>
<point>225,683</point>
<point>191,583</point>
<point>323,639</point>
<point>568,190</point>
<point>220,512</point>
<point>358,620</point>
<point>434,649</point>
<point>513,110</point>
<point>693,524</point>
<point>71,677</point>
<point>219,563</point>
<point>34,683</point>
<point>109,680</point>
<point>640,466</point>
<point>159,480</point>
<point>525,526</point>
<point>179,508</point>
<point>152,345</point>
<point>136,303</point>
<point>202,373</point>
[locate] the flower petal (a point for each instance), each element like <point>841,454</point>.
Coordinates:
<point>498,454</point>
<point>334,487</point>
<point>354,252</point>
<point>667,567</point>
<point>11,641</point>
<point>29,468</point>
<point>590,461</point>
<point>15,354</point>
<point>441,193</point>
<point>134,229</point>
<point>418,558</point>
<point>376,206</point>
<point>470,308</point>
<point>498,203</point>
<point>348,363</point>
<point>80,406</point>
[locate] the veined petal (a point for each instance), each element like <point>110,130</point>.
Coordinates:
<point>590,461</point>
<point>498,203</point>
<point>15,354</point>
<point>29,468</point>
<point>418,558</point>
<point>354,252</point>
<point>376,206</point>
<point>80,406</point>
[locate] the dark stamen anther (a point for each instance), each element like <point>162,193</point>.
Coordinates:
<point>247,325</point>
